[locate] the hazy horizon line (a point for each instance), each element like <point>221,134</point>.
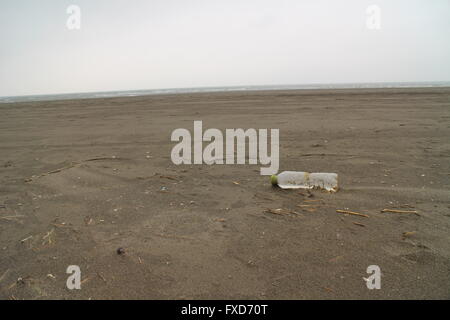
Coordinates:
<point>299,86</point>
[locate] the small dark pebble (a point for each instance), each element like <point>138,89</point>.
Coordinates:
<point>120,251</point>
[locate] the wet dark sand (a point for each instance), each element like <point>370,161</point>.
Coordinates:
<point>207,237</point>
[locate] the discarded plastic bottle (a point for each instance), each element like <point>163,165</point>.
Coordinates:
<point>306,180</point>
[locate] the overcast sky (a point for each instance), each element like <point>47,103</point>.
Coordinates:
<point>150,44</point>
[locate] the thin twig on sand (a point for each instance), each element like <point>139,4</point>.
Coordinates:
<point>4,275</point>
<point>72,165</point>
<point>101,277</point>
<point>27,238</point>
<point>13,218</point>
<point>168,177</point>
<point>353,213</point>
<point>359,224</point>
<point>400,211</point>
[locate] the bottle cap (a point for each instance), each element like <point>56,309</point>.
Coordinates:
<point>274,179</point>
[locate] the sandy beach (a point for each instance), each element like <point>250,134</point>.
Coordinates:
<point>82,178</point>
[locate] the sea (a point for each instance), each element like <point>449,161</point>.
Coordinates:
<point>135,93</point>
